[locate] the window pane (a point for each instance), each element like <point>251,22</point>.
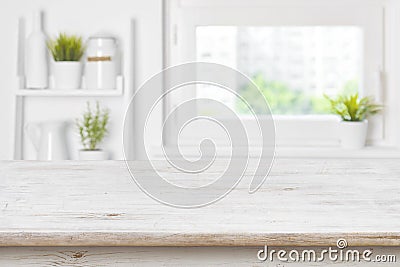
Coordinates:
<point>293,66</point>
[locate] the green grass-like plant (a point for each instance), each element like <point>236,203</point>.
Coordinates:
<point>66,47</point>
<point>352,107</point>
<point>93,126</point>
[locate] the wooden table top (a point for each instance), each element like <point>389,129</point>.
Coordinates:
<point>304,202</point>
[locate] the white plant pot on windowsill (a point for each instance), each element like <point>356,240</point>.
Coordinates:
<point>97,154</point>
<point>67,74</point>
<point>353,134</point>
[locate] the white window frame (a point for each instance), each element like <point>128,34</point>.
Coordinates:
<point>316,130</point>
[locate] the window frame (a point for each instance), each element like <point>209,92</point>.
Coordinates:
<point>191,12</point>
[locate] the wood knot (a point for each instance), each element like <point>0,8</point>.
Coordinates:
<point>78,254</point>
<point>113,214</point>
<point>288,189</point>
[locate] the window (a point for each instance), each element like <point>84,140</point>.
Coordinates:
<point>294,66</point>
<point>294,50</point>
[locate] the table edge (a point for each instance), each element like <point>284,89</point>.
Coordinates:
<point>174,239</point>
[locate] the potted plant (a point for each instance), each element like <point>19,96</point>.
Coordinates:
<point>353,111</point>
<point>92,130</point>
<point>67,52</point>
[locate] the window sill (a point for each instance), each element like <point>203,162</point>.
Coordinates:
<point>301,152</point>
<point>337,152</point>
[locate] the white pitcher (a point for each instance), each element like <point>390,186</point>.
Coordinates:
<point>49,139</point>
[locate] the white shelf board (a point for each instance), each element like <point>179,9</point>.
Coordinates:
<point>72,92</point>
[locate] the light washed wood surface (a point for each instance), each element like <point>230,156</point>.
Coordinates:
<point>164,256</point>
<point>304,202</point>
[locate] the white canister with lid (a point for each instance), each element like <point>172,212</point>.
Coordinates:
<point>101,63</point>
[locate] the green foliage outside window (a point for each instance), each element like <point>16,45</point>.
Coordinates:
<point>284,100</point>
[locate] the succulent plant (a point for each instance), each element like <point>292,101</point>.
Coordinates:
<point>352,107</point>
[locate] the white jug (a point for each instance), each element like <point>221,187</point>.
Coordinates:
<point>49,139</point>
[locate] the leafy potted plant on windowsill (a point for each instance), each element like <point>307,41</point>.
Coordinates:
<point>353,111</point>
<point>92,130</point>
<point>67,52</point>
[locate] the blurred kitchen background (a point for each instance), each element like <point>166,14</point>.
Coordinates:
<point>296,52</point>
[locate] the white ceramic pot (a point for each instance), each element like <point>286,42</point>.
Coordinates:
<point>93,155</point>
<point>353,134</point>
<point>67,74</point>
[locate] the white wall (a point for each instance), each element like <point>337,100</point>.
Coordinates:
<point>84,18</point>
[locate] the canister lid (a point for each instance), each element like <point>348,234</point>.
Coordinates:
<point>102,37</point>
<point>101,41</point>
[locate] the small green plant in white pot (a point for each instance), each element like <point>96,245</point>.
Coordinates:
<point>353,111</point>
<point>92,130</point>
<point>67,51</point>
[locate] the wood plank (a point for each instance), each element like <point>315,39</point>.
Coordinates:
<point>304,202</point>
<point>166,256</point>
<point>206,239</point>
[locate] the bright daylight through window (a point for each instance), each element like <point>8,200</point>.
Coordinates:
<point>294,66</point>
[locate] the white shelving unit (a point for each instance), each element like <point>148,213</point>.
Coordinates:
<point>23,93</point>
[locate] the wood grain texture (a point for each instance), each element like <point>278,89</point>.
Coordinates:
<point>164,256</point>
<point>304,202</point>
